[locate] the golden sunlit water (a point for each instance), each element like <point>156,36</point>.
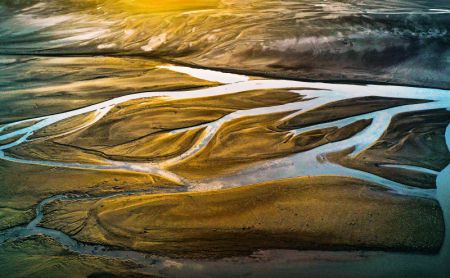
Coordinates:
<point>223,138</point>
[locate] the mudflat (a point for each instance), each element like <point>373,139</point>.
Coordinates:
<point>224,138</point>
<point>412,139</point>
<point>226,169</point>
<point>81,81</point>
<point>31,184</point>
<point>40,256</point>
<point>328,213</point>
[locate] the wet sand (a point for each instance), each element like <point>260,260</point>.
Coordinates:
<point>234,147</point>
<point>12,217</point>
<point>81,81</point>
<point>294,214</point>
<point>142,130</point>
<point>120,124</point>
<point>344,109</point>
<point>40,256</point>
<point>283,147</point>
<point>32,183</point>
<point>411,139</point>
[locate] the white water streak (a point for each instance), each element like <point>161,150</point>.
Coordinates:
<point>316,93</point>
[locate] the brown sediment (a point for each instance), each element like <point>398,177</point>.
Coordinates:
<point>12,217</point>
<point>41,256</point>
<point>10,140</point>
<point>343,109</point>
<point>23,186</point>
<point>140,130</point>
<point>86,81</point>
<point>135,119</point>
<point>17,127</point>
<point>324,213</point>
<point>42,149</point>
<point>155,147</point>
<point>48,150</point>
<point>413,138</point>
<point>248,140</point>
<point>64,126</point>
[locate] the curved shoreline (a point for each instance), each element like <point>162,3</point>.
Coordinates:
<point>440,101</point>
<point>263,74</point>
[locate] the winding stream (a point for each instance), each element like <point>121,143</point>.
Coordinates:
<point>308,163</point>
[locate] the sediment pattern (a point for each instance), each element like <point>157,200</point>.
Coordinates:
<point>402,41</point>
<point>295,213</point>
<point>233,166</point>
<point>226,136</point>
<point>142,138</point>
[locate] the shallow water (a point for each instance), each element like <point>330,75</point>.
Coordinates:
<point>305,163</point>
<point>364,46</point>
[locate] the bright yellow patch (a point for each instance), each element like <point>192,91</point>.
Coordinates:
<point>143,6</point>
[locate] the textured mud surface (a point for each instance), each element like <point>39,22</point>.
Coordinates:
<point>177,140</point>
